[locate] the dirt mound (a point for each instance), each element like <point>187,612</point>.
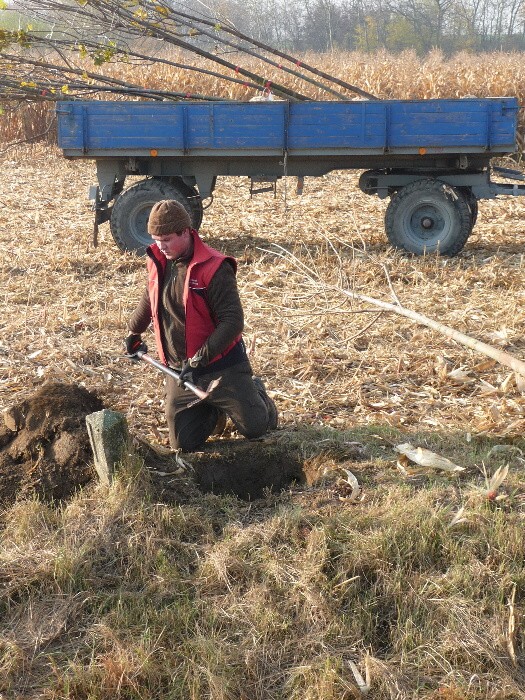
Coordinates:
<point>44,444</point>
<point>45,452</point>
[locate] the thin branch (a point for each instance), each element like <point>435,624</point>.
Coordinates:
<point>194,23</point>
<point>116,85</point>
<point>369,325</point>
<point>389,281</point>
<point>504,358</point>
<point>134,24</point>
<point>125,54</point>
<point>287,57</point>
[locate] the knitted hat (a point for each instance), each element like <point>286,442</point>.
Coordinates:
<point>168,216</point>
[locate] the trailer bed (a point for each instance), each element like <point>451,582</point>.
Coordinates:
<point>97,129</point>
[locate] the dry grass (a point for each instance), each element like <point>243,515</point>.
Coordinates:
<point>116,596</point>
<point>66,304</point>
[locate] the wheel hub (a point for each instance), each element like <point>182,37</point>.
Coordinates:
<point>426,221</point>
<point>139,222</point>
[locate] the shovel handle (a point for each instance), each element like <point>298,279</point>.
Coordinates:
<point>171,373</point>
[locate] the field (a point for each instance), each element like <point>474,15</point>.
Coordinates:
<point>418,583</point>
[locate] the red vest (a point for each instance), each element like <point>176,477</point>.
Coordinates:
<point>199,322</point>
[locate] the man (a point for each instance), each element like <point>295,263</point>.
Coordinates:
<point>193,301</point>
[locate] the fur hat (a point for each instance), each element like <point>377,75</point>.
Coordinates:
<point>168,216</point>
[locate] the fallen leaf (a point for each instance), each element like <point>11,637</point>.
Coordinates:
<point>484,365</point>
<point>510,634</point>
<point>520,383</point>
<point>495,414</point>
<point>427,458</point>
<point>505,384</point>
<point>500,337</point>
<point>458,517</point>
<point>441,367</point>
<point>356,489</point>
<point>459,375</point>
<point>497,478</point>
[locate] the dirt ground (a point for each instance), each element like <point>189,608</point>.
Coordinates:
<point>248,469</point>
<point>45,453</point>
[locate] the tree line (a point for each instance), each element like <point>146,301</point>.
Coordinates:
<point>347,25</point>
<point>370,25</point>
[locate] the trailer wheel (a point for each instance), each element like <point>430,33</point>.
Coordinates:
<point>130,213</point>
<point>472,203</point>
<point>428,216</point>
<point>194,200</point>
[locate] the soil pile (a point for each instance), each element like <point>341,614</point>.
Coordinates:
<point>45,452</point>
<point>44,444</point>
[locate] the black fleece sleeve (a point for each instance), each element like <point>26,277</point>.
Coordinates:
<point>141,317</point>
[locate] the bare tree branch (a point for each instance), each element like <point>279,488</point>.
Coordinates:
<point>310,274</point>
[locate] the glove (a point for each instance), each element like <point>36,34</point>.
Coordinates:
<point>185,373</point>
<point>187,367</point>
<point>133,343</point>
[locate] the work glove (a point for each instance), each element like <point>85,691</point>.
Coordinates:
<point>133,343</point>
<point>185,373</point>
<point>187,367</point>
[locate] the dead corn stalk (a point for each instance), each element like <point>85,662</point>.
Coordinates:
<point>504,358</point>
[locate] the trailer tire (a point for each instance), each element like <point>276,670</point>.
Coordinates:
<point>194,200</point>
<point>428,216</point>
<point>130,213</point>
<point>472,202</point>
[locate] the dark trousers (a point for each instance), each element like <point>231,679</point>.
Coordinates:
<point>236,395</point>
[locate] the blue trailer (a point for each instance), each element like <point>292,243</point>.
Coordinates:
<point>431,157</point>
